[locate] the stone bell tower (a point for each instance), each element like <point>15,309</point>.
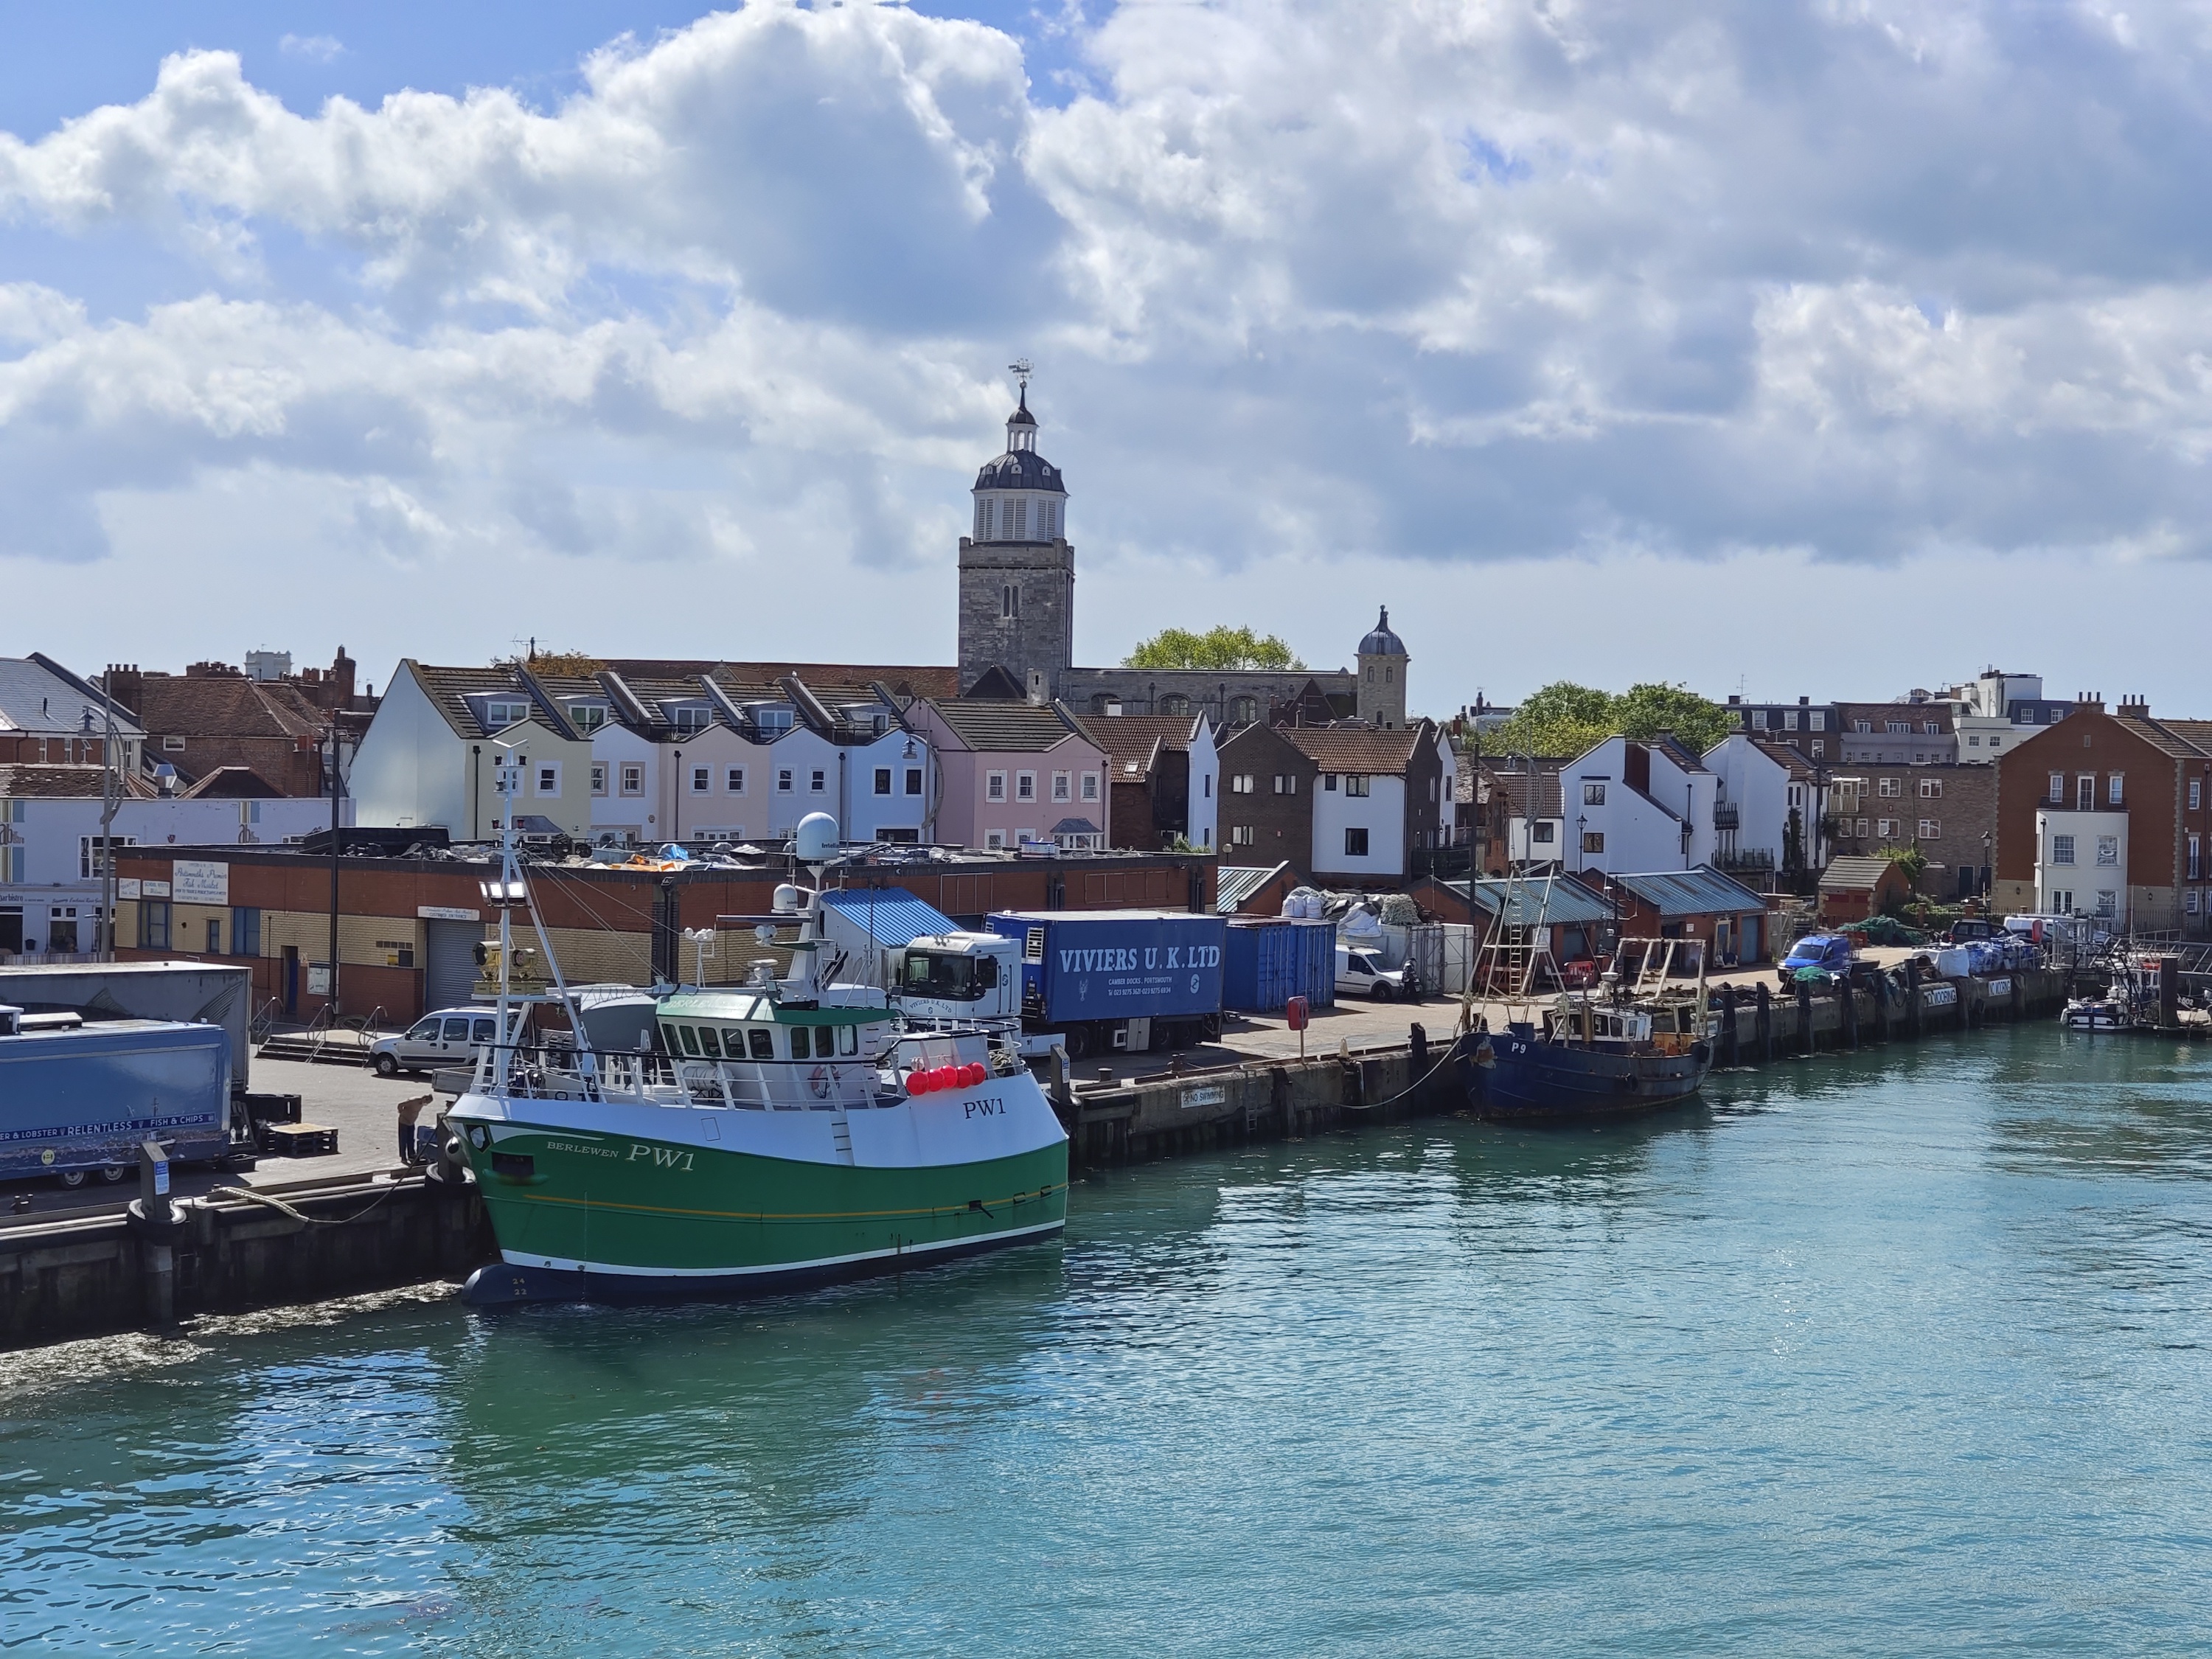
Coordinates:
<point>1382,663</point>
<point>1017,570</point>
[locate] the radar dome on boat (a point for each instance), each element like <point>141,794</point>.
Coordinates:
<point>817,837</point>
<point>785,900</point>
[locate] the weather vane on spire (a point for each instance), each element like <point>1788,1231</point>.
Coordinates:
<point>1020,369</point>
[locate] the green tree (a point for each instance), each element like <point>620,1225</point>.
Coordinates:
<point>1565,719</point>
<point>1223,647</point>
<point>1561,718</point>
<point>1915,863</point>
<point>1645,711</point>
<point>1793,843</point>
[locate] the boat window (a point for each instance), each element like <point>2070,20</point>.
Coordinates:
<point>764,1044</point>
<point>848,1039</point>
<point>825,1042</point>
<point>689,1038</point>
<point>709,1045</point>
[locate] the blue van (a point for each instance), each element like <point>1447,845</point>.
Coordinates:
<point>1831,953</point>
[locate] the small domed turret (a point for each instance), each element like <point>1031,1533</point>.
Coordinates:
<point>1382,665</point>
<point>1382,642</point>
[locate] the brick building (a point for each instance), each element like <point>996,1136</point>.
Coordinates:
<point>1160,775</point>
<point>2106,815</point>
<point>214,715</point>
<point>1948,811</point>
<point>1267,798</point>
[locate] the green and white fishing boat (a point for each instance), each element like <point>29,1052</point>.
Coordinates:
<point>787,1133</point>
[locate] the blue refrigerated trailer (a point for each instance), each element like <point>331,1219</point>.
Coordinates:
<point>77,1099</point>
<point>1132,979</point>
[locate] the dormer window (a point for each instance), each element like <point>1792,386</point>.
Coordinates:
<point>499,715</point>
<point>587,716</point>
<point>692,717</point>
<point>771,716</point>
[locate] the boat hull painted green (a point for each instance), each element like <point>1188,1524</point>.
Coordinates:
<point>603,1210</point>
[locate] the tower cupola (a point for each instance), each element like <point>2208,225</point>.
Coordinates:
<point>1020,496</point>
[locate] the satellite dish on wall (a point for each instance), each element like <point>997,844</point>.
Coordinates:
<point>816,841</point>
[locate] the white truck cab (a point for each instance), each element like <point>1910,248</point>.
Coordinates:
<point>1360,973</point>
<point>960,976</point>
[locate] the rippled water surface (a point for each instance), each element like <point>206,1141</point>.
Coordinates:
<point>1882,1355</point>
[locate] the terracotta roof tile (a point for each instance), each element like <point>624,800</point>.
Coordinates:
<point>1357,749</point>
<point>34,782</point>
<point>1134,742</point>
<point>191,706</point>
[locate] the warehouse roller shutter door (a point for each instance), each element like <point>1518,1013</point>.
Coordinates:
<point>449,973</point>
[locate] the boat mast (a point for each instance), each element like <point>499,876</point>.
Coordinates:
<point>507,779</point>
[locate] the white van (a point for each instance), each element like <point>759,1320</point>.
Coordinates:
<point>1360,973</point>
<point>448,1038</point>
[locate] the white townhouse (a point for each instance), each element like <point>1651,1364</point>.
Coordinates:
<point>1638,806</point>
<point>1381,798</point>
<point>702,758</point>
<point>633,759</point>
<point>1767,803</point>
<point>432,753</point>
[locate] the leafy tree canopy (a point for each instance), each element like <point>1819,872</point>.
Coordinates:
<point>1565,719</point>
<point>1218,647</point>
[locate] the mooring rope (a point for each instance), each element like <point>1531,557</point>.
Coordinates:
<point>246,1195</point>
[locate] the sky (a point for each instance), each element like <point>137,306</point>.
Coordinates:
<point>1825,348</point>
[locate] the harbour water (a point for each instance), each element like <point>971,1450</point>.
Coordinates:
<point>1882,1354</point>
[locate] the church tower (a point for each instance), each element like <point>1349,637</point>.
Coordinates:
<point>1383,661</point>
<point>1017,570</point>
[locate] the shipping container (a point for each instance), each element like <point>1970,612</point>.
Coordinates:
<point>80,1099</point>
<point>1266,963</point>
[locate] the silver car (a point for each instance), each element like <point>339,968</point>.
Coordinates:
<point>436,1041</point>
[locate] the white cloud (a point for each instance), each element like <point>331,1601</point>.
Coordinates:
<point>1860,280</point>
<point>315,48</point>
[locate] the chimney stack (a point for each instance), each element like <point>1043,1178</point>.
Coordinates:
<point>126,685</point>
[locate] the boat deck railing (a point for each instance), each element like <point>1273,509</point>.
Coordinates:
<point>561,1072</point>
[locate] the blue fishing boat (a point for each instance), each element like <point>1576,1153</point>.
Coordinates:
<point>1588,1060</point>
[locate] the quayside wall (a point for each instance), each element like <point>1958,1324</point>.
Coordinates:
<point>1113,1121</point>
<point>85,1276</point>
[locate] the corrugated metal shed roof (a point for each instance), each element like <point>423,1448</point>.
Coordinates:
<point>1699,892</point>
<point>890,917</point>
<point>1556,899</point>
<point>1235,883</point>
